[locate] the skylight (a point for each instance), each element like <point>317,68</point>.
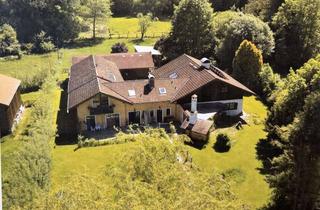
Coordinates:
<point>174,75</point>
<point>162,90</point>
<point>132,93</point>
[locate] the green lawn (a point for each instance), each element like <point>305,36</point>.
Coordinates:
<point>33,65</point>
<point>124,27</point>
<point>242,155</point>
<point>253,189</point>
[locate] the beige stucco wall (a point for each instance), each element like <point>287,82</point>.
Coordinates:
<point>123,108</point>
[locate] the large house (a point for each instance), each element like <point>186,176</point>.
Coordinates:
<point>122,89</point>
<point>10,103</point>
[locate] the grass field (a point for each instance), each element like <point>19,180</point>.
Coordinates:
<point>251,188</point>
<point>33,65</point>
<point>242,156</point>
<point>129,27</point>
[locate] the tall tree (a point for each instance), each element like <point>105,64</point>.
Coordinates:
<point>57,18</point>
<point>264,9</point>
<point>9,44</point>
<point>192,30</point>
<point>222,5</point>
<point>247,64</point>
<point>231,28</point>
<point>297,33</point>
<point>293,174</point>
<point>144,22</point>
<point>95,10</point>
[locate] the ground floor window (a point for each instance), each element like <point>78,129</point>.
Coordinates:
<point>90,122</point>
<point>112,120</point>
<point>134,117</point>
<point>232,106</point>
<point>168,112</point>
<point>159,115</point>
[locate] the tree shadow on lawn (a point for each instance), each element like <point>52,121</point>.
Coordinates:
<point>66,122</point>
<point>85,42</point>
<point>265,153</point>
<point>197,144</point>
<point>137,41</point>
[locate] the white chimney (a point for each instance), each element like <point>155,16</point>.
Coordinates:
<point>151,81</point>
<point>205,62</point>
<point>194,101</point>
<point>193,118</point>
<point>194,113</point>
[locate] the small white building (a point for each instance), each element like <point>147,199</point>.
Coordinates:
<point>146,49</point>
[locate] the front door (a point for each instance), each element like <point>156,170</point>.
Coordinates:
<point>112,120</point>
<point>134,117</point>
<point>159,115</point>
<point>90,122</point>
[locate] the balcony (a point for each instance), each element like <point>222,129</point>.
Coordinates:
<point>101,110</point>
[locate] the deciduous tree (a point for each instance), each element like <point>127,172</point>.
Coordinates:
<point>9,44</point>
<point>232,29</point>
<point>95,10</point>
<point>192,30</point>
<point>297,33</point>
<point>144,23</point>
<point>264,9</point>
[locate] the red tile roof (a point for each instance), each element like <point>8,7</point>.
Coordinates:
<point>100,74</point>
<point>143,94</point>
<point>188,67</point>
<point>8,88</point>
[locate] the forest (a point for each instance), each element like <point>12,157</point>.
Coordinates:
<point>270,46</point>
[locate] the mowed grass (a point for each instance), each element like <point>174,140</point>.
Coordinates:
<point>252,187</point>
<point>32,65</point>
<point>68,163</point>
<point>127,26</point>
<point>248,183</point>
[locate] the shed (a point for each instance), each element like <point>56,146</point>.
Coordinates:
<point>10,102</point>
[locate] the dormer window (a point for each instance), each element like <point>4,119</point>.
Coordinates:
<point>162,91</point>
<point>131,93</point>
<point>174,75</point>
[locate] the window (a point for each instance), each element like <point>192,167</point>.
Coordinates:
<point>232,106</point>
<point>162,91</point>
<point>132,93</point>
<point>173,75</point>
<point>151,113</point>
<point>168,112</point>
<point>104,100</point>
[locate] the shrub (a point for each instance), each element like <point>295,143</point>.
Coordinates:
<point>173,129</point>
<point>42,43</point>
<point>119,48</point>
<point>223,143</point>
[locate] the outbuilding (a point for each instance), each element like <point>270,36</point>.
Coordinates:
<point>10,103</point>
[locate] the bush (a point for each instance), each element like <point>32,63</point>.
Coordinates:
<point>223,143</point>
<point>42,43</point>
<point>119,48</point>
